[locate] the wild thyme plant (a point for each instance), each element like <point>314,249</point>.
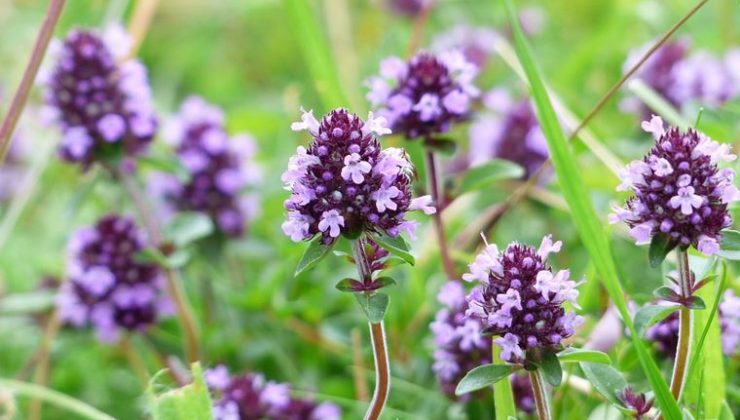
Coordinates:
<point>345,185</point>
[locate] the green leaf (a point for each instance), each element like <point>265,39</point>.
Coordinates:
<point>730,246</point>
<point>178,258</point>
<point>660,246</point>
<point>551,369</point>
<point>587,223</point>
<point>503,394</point>
<point>27,303</point>
<point>483,176</point>
<point>151,255</point>
<point>483,376</point>
<point>315,252</point>
<point>696,303</point>
<point>374,306</point>
<point>606,380</point>
<point>316,52</point>
<point>187,227</point>
<point>666,293</point>
<point>396,246</point>
<point>726,412</point>
<point>384,281</point>
<point>65,402</point>
<point>192,401</point>
<point>573,355</point>
<point>347,285</point>
<point>167,164</point>
<point>650,315</point>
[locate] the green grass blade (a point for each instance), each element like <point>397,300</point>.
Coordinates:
<point>585,219</point>
<point>503,395</point>
<point>53,397</point>
<point>316,53</point>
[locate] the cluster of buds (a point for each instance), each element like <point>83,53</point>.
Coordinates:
<point>681,78</point>
<point>219,168</point>
<point>679,191</point>
<point>521,300</point>
<point>101,100</point>
<point>510,131</point>
<point>426,95</point>
<point>248,396</point>
<point>637,402</point>
<point>345,184</point>
<point>107,287</point>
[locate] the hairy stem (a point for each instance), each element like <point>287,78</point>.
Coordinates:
<point>377,336</point>
<point>29,75</point>
<point>438,197</point>
<point>172,283</point>
<point>685,328</point>
<point>540,396</point>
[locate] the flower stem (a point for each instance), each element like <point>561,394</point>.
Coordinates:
<point>540,396</point>
<point>685,330</point>
<point>382,372</point>
<point>29,75</point>
<point>437,196</point>
<point>172,283</point>
<point>377,336</point>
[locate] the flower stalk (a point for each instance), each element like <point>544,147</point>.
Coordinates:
<point>540,396</point>
<point>377,335</point>
<point>29,75</point>
<point>438,197</point>
<point>685,328</point>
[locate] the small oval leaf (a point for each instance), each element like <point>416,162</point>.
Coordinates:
<point>730,245</point>
<point>608,381</point>
<point>374,306</point>
<point>479,177</point>
<point>573,355</point>
<point>188,227</point>
<point>395,245</point>
<point>650,315</point>
<point>483,376</point>
<point>660,246</point>
<point>315,252</point>
<point>551,368</point>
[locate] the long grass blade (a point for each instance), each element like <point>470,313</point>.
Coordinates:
<point>584,215</point>
<point>55,398</point>
<point>316,53</point>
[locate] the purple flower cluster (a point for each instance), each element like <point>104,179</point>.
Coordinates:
<point>678,189</point>
<point>521,300</point>
<point>460,347</point>
<point>510,131</point>
<point>249,397</point>
<point>637,402</point>
<point>101,101</point>
<point>425,96</point>
<point>220,168</point>
<point>476,43</point>
<point>681,78</point>
<point>344,183</point>
<point>107,287</point>
<point>665,333</point>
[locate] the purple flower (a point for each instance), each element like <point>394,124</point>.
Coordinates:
<point>509,131</point>
<point>729,314</point>
<point>102,101</point>
<point>344,183</point>
<point>107,287</point>
<point>476,43</point>
<point>665,335</point>
<point>460,346</point>
<point>681,78</point>
<point>220,168</point>
<point>637,402</point>
<point>521,300</point>
<point>424,97</point>
<point>249,397</point>
<point>679,191</point>
<point>409,7</point>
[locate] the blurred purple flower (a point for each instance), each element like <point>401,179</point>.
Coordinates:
<point>520,298</point>
<point>425,96</point>
<point>107,287</point>
<point>678,189</point>
<point>409,7</point>
<point>509,131</point>
<point>101,100</point>
<point>345,183</point>
<point>681,78</point>
<point>523,394</point>
<point>637,402</point>
<point>249,397</point>
<point>459,345</point>
<point>476,43</point>
<point>220,168</point>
